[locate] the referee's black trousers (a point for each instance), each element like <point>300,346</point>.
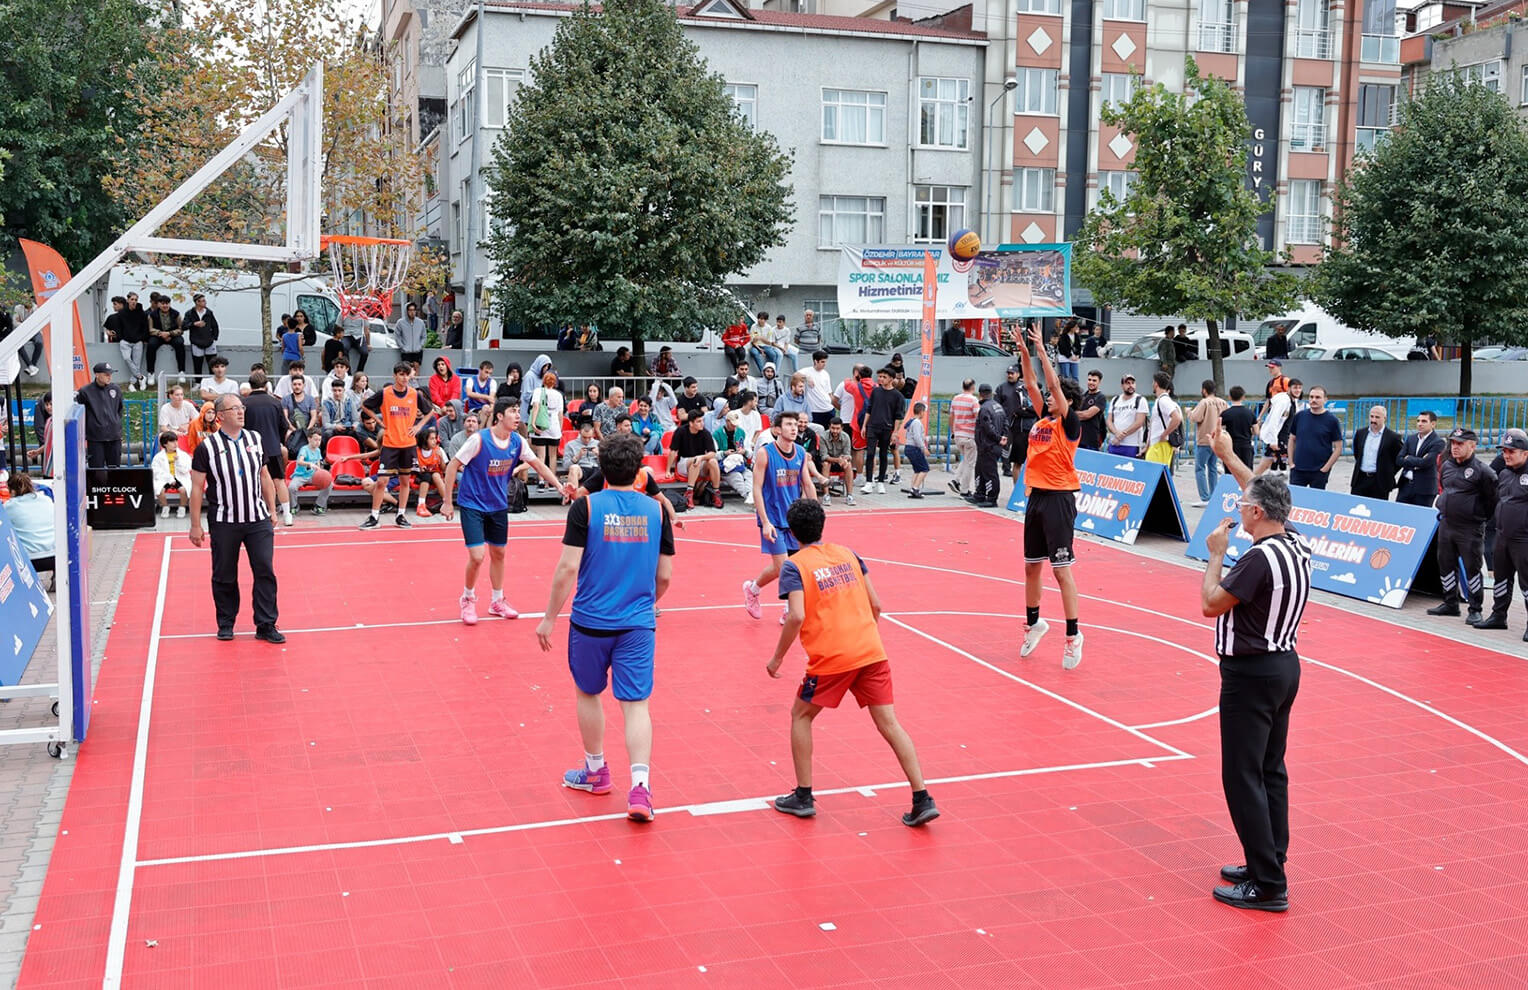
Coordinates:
<point>1460,542</point>
<point>258,539</point>
<point>1256,694</point>
<point>987,484</point>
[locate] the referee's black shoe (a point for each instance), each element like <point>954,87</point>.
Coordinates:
<point>225,633</point>
<point>270,634</point>
<point>1252,897</point>
<point>1444,609</point>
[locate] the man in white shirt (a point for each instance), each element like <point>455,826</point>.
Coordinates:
<point>819,390</point>
<point>1166,416</point>
<point>176,415</point>
<point>219,383</point>
<point>282,384</point>
<point>1127,420</point>
<point>339,373</point>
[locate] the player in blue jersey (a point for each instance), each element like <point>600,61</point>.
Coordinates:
<point>485,464</point>
<point>780,476</point>
<point>618,549</point>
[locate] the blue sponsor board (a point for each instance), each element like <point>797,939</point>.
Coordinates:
<point>1364,548</point>
<point>1118,497</point>
<point>24,606</point>
<point>76,498</point>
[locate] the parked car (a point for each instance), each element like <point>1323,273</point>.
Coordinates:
<point>1239,345</point>
<point>1348,354</point>
<point>974,348</point>
<point>1509,354</point>
<point>1312,326</point>
<point>1488,353</point>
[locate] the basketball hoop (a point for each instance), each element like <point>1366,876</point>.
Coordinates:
<point>366,271</point>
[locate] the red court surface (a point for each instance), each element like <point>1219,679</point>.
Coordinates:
<point>378,803</point>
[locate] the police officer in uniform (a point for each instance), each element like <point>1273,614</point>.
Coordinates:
<point>1466,499</point>
<point>1511,530</point>
<point>990,430</point>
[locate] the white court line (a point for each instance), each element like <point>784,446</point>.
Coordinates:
<point>367,544</point>
<point>1124,632</point>
<point>728,807</point>
<point>362,626</point>
<point>1037,688</point>
<point>116,945</point>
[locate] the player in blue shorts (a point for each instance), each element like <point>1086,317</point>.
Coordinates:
<point>780,476</point>
<point>484,465</point>
<point>618,548</point>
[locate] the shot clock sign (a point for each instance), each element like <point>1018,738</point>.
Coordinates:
<point>119,498</point>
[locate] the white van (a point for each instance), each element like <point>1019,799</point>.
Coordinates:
<point>234,296</point>
<point>1235,345</point>
<point>1312,326</point>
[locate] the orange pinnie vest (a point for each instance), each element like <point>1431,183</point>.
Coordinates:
<point>399,414</point>
<point>1052,461</point>
<point>839,632</point>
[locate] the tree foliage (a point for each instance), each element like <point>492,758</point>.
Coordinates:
<point>1184,240</point>
<point>1431,229</point>
<point>70,79</point>
<point>625,188</point>
<point>247,57</point>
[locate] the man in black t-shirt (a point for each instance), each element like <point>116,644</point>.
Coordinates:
<point>689,400</point>
<point>692,453</point>
<point>264,415</point>
<point>1237,420</point>
<point>1090,411</point>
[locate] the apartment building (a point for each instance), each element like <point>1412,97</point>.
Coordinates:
<point>1485,43</point>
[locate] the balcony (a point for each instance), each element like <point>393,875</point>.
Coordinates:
<point>1379,48</point>
<point>1217,37</point>
<point>1369,137</point>
<point>1305,230</point>
<point>1313,44</point>
<point>1308,137</point>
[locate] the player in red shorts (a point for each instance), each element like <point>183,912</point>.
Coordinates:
<point>834,608</point>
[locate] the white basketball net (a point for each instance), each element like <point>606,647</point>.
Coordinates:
<point>366,272</point>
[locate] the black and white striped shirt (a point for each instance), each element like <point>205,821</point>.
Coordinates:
<point>232,466</point>
<point>1271,584</point>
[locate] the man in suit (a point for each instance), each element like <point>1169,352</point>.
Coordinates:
<point>1418,463</point>
<point>1374,455</point>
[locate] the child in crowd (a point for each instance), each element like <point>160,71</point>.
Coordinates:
<point>171,469</point>
<point>309,472</point>
<point>916,449</point>
<point>430,467</point>
<point>291,346</point>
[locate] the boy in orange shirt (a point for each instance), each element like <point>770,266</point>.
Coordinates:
<point>834,608</point>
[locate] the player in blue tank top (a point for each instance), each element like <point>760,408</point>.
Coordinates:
<point>780,476</point>
<point>618,549</point>
<point>485,464</point>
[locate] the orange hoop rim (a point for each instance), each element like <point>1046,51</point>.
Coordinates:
<point>357,240</point>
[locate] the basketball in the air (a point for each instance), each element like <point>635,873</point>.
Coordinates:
<point>965,245</point>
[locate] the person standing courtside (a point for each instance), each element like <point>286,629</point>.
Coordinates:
<point>1092,412</point>
<point>1419,463</point>
<point>1466,499</point>
<point>991,422</point>
<point>1257,609</point>
<point>1511,552</point>
<point>1375,451</point>
<point>963,410</point>
<point>229,470</point>
<point>103,418</point>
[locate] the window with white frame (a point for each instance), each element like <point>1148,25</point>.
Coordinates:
<point>745,97</point>
<point>1308,132</point>
<point>1036,92</point>
<point>1304,211</point>
<point>850,220</point>
<point>941,210</point>
<point>1118,88</point>
<point>1376,109</point>
<point>851,116</point>
<point>466,101</point>
<point>1217,25</point>
<point>1035,189</point>
<point>1487,74</point>
<point>944,112</point>
<point>1523,95</point>
<point>1117,184</point>
<point>825,311</point>
<point>499,89</point>
<point>1039,6</point>
<point>1313,37</point>
<point>1124,10</point>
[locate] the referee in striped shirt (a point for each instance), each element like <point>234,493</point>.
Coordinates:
<point>1257,608</point>
<point>229,469</point>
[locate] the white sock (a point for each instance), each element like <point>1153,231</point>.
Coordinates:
<point>593,761</point>
<point>375,513</point>
<point>469,593</point>
<point>753,586</point>
<point>639,775</point>
<point>286,509</point>
<point>498,594</point>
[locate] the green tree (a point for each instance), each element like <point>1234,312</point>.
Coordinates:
<point>625,188</point>
<point>1185,239</point>
<point>70,76</point>
<point>1431,229</point>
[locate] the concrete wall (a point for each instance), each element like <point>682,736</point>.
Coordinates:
<point>1340,378</point>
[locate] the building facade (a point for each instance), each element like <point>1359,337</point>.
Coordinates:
<point>1486,44</point>
<point>1319,78</point>
<point>878,116</point>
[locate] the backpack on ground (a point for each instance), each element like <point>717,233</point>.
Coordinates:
<point>519,496</point>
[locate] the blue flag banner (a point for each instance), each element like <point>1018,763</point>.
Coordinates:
<point>1119,497</point>
<point>1364,548</point>
<point>24,606</point>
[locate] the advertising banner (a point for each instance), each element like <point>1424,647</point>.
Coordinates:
<point>926,335</point>
<point>1364,548</point>
<point>885,281</point>
<point>49,274</point>
<point>24,606</point>
<point>1119,497</point>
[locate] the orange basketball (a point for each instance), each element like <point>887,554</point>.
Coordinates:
<point>965,245</point>
<point>1379,559</point>
<point>1124,513</point>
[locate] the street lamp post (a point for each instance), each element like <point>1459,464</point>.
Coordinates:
<point>1009,85</point>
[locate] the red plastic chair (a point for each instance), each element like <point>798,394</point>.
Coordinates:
<point>573,406</point>
<point>658,465</point>
<point>186,444</point>
<point>764,418</point>
<point>668,439</point>
<point>291,469</point>
<point>341,445</point>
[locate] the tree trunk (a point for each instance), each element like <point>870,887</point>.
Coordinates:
<point>1217,359</point>
<point>267,272</point>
